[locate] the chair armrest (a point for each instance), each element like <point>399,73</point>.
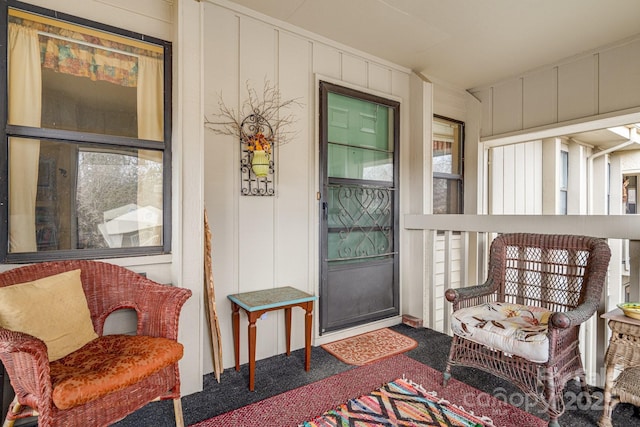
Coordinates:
<point>160,307</point>
<point>470,295</point>
<point>575,317</point>
<point>26,360</point>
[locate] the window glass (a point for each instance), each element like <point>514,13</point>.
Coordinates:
<point>564,173</point>
<point>79,104</point>
<point>630,193</point>
<point>564,181</point>
<point>360,123</point>
<point>360,144</point>
<point>85,136</point>
<point>447,148</point>
<point>358,163</point>
<point>446,196</point>
<point>112,196</point>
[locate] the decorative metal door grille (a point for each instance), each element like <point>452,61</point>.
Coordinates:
<point>360,222</point>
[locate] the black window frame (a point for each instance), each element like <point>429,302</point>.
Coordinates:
<point>458,178</point>
<point>74,137</point>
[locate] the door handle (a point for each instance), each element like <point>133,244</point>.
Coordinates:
<point>325,210</point>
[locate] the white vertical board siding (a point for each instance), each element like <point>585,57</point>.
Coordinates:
<point>294,203</point>
<point>532,184</point>
<point>619,77</point>
<point>507,106</point>
<point>448,269</point>
<point>327,61</point>
<point>264,242</point>
<point>580,89</point>
<point>354,70</point>
<point>438,284</point>
<point>509,187</point>
<point>485,96</point>
<point>379,78</point>
<point>221,81</point>
<point>496,181</point>
<point>256,218</point>
<point>520,179</point>
<point>516,179</point>
<point>540,101</point>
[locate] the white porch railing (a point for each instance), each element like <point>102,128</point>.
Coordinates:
<point>456,255</point>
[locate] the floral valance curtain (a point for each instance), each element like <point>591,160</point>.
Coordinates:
<point>86,61</point>
<point>84,55</point>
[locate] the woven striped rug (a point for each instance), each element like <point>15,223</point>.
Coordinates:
<point>401,403</point>
<point>304,403</point>
<point>369,347</point>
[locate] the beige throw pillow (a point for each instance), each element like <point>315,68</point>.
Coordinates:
<point>53,309</point>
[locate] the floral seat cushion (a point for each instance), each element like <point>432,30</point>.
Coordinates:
<point>107,364</point>
<point>515,329</point>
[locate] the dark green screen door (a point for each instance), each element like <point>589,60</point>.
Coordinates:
<point>359,208</point>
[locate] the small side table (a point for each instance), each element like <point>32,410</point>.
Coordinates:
<point>255,304</point>
<point>623,353</point>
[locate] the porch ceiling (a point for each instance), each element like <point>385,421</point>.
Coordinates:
<point>466,43</point>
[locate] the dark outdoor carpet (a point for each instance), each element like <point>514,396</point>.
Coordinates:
<point>279,374</point>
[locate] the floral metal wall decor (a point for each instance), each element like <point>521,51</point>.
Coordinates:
<point>260,125</point>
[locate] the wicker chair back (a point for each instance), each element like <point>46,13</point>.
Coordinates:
<point>563,274</point>
<point>108,288</point>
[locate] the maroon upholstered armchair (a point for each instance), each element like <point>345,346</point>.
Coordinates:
<point>523,323</point>
<point>110,376</point>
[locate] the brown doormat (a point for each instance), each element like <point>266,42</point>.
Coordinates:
<point>370,347</point>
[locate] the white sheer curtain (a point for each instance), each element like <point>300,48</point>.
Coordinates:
<point>150,126</point>
<point>25,105</point>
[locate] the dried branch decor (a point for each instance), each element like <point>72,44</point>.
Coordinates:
<point>269,106</point>
<point>260,125</point>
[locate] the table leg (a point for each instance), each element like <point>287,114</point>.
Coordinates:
<point>235,320</point>
<point>307,335</point>
<point>605,420</point>
<point>287,328</point>
<point>253,317</point>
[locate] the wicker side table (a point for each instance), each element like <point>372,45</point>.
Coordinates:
<point>623,354</point>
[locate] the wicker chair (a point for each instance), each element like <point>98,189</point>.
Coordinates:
<point>551,284</point>
<point>107,288</point>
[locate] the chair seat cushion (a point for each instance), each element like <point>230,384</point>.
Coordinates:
<point>512,328</point>
<point>107,364</point>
